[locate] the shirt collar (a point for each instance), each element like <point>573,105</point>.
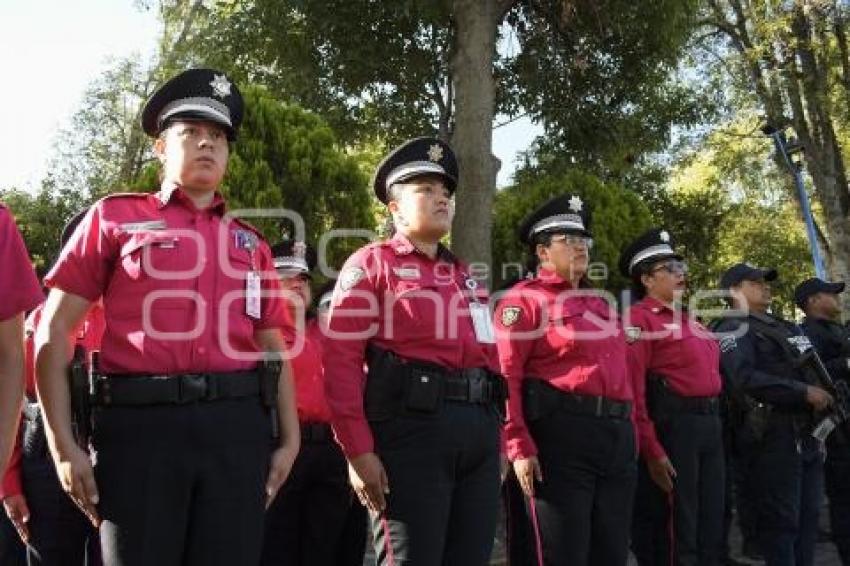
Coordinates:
<point>169,190</point>
<point>551,277</point>
<point>402,245</point>
<point>655,305</point>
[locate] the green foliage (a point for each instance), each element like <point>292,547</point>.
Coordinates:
<point>726,202</point>
<point>618,216</point>
<point>40,218</point>
<point>104,149</point>
<point>602,78</point>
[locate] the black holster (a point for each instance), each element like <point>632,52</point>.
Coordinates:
<point>539,400</point>
<point>81,406</point>
<point>269,382</point>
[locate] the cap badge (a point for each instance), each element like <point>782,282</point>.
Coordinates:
<point>435,152</point>
<point>576,204</point>
<point>664,235</point>
<point>299,249</point>
<point>220,86</point>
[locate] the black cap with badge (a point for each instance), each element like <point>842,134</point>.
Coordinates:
<point>651,246</point>
<point>814,286</point>
<point>195,94</point>
<point>741,271</point>
<point>565,214</point>
<point>419,156</point>
<point>292,258</point>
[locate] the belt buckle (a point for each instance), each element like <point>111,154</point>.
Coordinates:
<point>192,387</point>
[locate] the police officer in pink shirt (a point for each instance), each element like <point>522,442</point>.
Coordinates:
<point>193,430</point>
<point>676,365</point>
<point>569,432</point>
<point>21,292</point>
<point>306,525</point>
<point>420,428</point>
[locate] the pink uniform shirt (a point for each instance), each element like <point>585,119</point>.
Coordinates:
<point>173,280</point>
<point>677,348</point>
<point>395,297</point>
<point>19,286</point>
<point>572,339</point>
<point>307,371</point>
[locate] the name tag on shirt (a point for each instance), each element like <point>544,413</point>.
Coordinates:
<point>144,226</point>
<point>252,294</point>
<point>483,323</point>
<point>406,272</point>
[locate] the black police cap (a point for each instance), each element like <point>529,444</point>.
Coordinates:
<point>742,271</point>
<point>814,286</point>
<point>293,258</point>
<point>70,226</point>
<point>419,156</point>
<point>195,94</point>
<point>565,214</point>
<point>653,245</point>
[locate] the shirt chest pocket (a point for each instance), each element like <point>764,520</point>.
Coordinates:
<point>168,260</point>
<point>414,308</point>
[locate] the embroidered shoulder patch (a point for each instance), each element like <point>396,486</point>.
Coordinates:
<point>510,315</point>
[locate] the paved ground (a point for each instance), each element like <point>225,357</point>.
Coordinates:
<point>826,555</point>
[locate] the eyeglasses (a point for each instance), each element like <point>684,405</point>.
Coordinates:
<point>573,240</point>
<point>672,266</point>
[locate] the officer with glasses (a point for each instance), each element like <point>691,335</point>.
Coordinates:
<point>675,362</point>
<point>569,431</point>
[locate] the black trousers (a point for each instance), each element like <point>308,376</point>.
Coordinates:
<point>315,520</point>
<point>59,532</point>
<point>685,527</point>
<point>182,485</point>
<point>12,550</point>
<point>787,469</point>
<point>837,476</point>
<point>443,473</point>
<point>584,504</point>
<point>519,531</point>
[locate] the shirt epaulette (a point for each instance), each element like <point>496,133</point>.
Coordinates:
<point>126,195</point>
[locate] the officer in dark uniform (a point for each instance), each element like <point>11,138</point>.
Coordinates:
<point>676,363</point>
<point>420,429</point>
<point>821,303</point>
<point>53,528</point>
<point>772,402</point>
<point>193,428</point>
<point>569,431</point>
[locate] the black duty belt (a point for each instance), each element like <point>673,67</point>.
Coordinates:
<point>541,398</point>
<point>594,406</point>
<point>316,432</point>
<point>472,385</point>
<point>182,389</point>
<point>693,405</point>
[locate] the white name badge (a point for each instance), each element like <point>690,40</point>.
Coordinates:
<point>483,323</point>
<point>252,294</point>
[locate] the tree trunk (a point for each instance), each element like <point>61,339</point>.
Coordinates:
<point>476,24</point>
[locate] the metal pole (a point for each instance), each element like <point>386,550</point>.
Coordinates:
<point>779,142</point>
